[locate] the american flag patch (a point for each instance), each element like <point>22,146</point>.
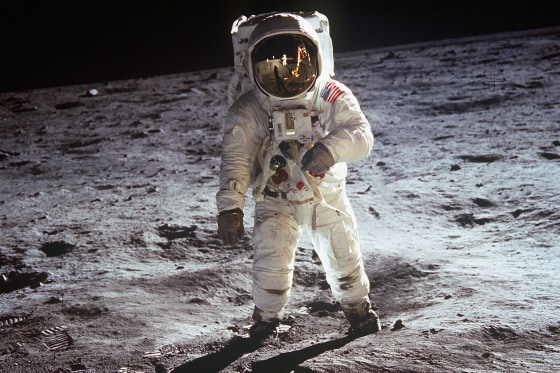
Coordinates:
<point>331,92</point>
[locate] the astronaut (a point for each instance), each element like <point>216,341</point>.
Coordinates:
<point>289,139</point>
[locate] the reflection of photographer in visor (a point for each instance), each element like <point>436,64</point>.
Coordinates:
<point>289,139</point>
<point>293,69</point>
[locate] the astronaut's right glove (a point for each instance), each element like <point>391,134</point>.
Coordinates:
<point>230,226</point>
<point>317,160</point>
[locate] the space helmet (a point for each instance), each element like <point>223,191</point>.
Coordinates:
<point>285,59</point>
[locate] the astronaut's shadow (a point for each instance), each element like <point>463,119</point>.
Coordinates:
<point>237,347</point>
<point>216,361</point>
<point>288,361</point>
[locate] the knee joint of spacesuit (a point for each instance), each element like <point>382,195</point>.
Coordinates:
<point>350,281</point>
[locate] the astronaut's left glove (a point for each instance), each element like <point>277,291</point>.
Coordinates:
<point>230,226</point>
<point>317,160</point>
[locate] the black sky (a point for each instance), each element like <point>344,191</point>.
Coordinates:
<point>52,43</point>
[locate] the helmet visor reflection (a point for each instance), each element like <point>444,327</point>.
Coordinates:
<point>285,65</point>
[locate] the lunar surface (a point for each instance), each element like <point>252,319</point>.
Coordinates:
<point>110,260</point>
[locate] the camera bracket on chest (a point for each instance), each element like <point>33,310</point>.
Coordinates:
<point>301,125</point>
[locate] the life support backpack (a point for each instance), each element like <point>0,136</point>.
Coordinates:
<point>240,33</point>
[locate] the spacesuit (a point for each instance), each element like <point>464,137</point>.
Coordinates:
<point>289,139</point>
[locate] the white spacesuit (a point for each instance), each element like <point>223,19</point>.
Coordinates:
<point>288,137</point>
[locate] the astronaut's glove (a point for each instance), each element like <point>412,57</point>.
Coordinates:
<point>230,226</point>
<point>317,160</point>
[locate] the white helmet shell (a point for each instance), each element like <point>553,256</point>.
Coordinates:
<point>242,28</point>
<point>285,58</point>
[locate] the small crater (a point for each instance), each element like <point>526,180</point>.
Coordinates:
<point>500,332</point>
<point>469,220</point>
<point>550,156</point>
<point>483,202</point>
<point>173,232</point>
<point>67,105</point>
<point>86,311</point>
<point>57,248</point>
<point>18,280</point>
<point>481,158</point>
<point>398,325</point>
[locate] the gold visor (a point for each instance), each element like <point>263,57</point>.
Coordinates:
<point>285,65</point>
